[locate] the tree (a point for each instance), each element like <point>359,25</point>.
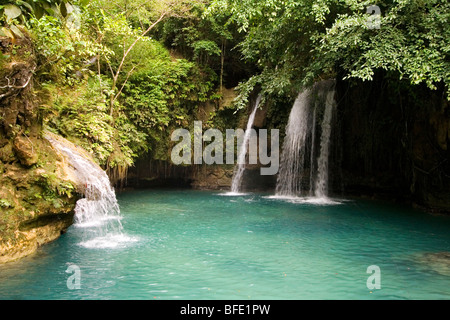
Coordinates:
<point>412,42</point>
<point>296,42</point>
<point>115,21</point>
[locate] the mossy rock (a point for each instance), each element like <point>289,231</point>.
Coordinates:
<point>25,151</point>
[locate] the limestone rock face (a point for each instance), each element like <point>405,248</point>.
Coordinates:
<point>36,202</point>
<point>34,233</point>
<point>37,197</point>
<point>393,144</point>
<point>214,177</point>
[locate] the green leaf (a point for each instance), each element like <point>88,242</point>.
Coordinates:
<point>39,12</point>
<point>84,2</point>
<point>17,31</point>
<point>7,32</point>
<point>12,11</point>
<point>63,9</point>
<point>50,11</point>
<point>24,3</point>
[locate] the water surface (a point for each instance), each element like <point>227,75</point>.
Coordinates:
<point>203,245</point>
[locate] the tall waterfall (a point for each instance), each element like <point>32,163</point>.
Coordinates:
<point>239,173</point>
<point>301,138</point>
<point>98,213</point>
<point>293,151</point>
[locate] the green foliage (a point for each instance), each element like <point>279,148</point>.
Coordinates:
<point>277,39</point>
<point>205,48</point>
<point>162,93</point>
<point>412,41</point>
<point>81,114</point>
<point>52,188</point>
<point>51,41</point>
<point>14,9</point>
<point>130,142</point>
<point>208,40</point>
<point>5,203</point>
<point>48,183</point>
<point>62,52</point>
<point>66,189</point>
<point>154,91</point>
<point>15,12</point>
<point>297,42</point>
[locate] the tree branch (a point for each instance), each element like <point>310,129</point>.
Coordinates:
<point>123,85</point>
<point>116,76</point>
<point>9,86</point>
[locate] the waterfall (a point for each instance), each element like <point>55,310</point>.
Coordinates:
<point>293,150</point>
<point>98,213</point>
<point>321,189</point>
<point>313,154</point>
<point>301,130</point>
<point>239,173</point>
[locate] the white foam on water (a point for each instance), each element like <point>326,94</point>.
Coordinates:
<point>306,200</point>
<point>96,223</point>
<point>112,241</point>
<point>234,194</point>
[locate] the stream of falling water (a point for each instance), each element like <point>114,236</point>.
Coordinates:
<point>293,152</point>
<point>239,173</point>
<point>98,213</point>
<point>321,189</point>
<point>302,125</point>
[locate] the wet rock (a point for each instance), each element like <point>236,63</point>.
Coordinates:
<point>437,261</point>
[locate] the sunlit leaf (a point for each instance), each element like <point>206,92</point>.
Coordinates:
<point>17,31</point>
<point>8,33</point>
<point>12,11</point>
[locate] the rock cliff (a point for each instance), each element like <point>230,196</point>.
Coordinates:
<point>37,195</point>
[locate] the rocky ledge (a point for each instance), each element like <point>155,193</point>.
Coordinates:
<point>37,200</point>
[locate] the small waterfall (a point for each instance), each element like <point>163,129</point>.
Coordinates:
<point>98,213</point>
<point>301,130</point>
<point>321,189</point>
<point>313,154</point>
<point>239,173</point>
